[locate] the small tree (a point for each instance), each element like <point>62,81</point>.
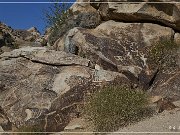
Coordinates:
<point>57,18</point>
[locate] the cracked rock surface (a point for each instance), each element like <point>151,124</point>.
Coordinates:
<point>42,87</point>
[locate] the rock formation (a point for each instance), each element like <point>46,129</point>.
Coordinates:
<point>123,44</point>
<point>11,38</point>
<point>43,86</point>
<point>39,85</point>
<point>164,13</point>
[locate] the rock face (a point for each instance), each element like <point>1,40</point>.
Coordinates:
<point>124,45</point>
<point>80,15</point>
<point>85,16</point>
<point>116,46</point>
<point>167,84</point>
<point>112,43</point>
<point>167,14</point>
<point>41,87</point>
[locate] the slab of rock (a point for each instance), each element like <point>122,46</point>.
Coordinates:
<point>39,89</point>
<point>77,123</point>
<point>164,13</point>
<point>167,85</point>
<point>43,55</point>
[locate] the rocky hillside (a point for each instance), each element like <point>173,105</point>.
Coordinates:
<point>112,43</point>
<point>12,39</point>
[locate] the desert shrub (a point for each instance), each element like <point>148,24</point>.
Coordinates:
<point>163,54</point>
<point>116,106</point>
<point>58,19</point>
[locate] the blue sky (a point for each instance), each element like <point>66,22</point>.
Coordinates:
<point>24,16</point>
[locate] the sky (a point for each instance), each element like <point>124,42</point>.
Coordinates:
<point>24,16</point>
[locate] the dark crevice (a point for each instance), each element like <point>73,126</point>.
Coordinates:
<point>76,50</point>
<point>54,64</point>
<point>153,78</point>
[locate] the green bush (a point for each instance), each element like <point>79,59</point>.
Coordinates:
<point>163,54</point>
<point>116,106</point>
<point>58,19</point>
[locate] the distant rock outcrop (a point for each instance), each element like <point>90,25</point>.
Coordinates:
<point>11,38</point>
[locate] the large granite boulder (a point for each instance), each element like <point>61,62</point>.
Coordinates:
<point>43,88</point>
<point>85,15</point>
<point>167,14</point>
<point>115,46</point>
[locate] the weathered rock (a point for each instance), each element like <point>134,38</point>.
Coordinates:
<point>38,88</point>
<point>79,15</point>
<point>154,99</point>
<point>85,16</point>
<point>5,124</point>
<point>165,13</point>
<point>43,55</point>
<point>34,31</point>
<point>77,123</point>
<point>5,37</point>
<point>79,126</point>
<point>118,46</point>
<point>38,39</point>
<point>177,38</point>
<point>166,82</point>
<point>13,39</point>
<point>167,85</point>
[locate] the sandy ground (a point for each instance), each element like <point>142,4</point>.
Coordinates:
<point>166,123</point>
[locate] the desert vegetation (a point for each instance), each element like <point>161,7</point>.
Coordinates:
<point>117,106</point>
<point>58,19</point>
<point>163,54</point>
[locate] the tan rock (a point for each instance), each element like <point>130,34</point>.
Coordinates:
<point>46,86</point>
<point>117,46</point>
<point>177,38</point>
<point>136,12</point>
<point>154,99</point>
<point>77,123</point>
